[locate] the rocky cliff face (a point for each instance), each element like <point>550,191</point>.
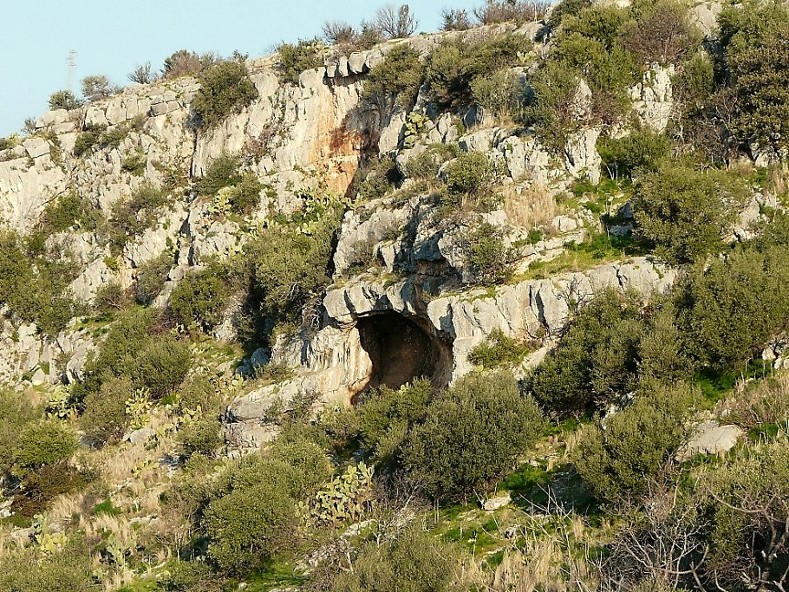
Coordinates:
<point>295,138</point>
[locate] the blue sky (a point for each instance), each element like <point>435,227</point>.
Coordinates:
<point>112,36</point>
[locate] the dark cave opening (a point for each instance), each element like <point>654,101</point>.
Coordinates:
<point>400,351</point>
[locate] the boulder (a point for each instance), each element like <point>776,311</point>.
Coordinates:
<point>709,438</point>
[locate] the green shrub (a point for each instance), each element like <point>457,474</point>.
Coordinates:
<point>566,8</point>
<point>151,278</point>
<point>619,459</point>
<point>245,196</point>
<point>425,165</point>
<point>131,217</point>
<point>201,436</point>
<point>596,359</point>
<point>248,526</point>
<point>501,11</point>
<point>501,93</point>
<point>396,79</point>
<point>105,418</point>
<point>383,416</point>
<point>221,172</point>
<point>754,38</point>
<point>15,413</point>
<point>469,174</point>
<point>64,99</point>
<point>662,33</point>
<point>39,488</point>
<point>44,443</point>
<point>684,212</point>
<point>453,66</point>
<point>380,176</point>
<point>88,139</point>
<point>487,256</point>
<point>601,23</point>
<point>225,88</point>
<point>201,297</point>
<point>135,163</point>
<point>642,150</point>
<point>185,63</point>
<point>732,307</point>
<point>499,350</point>
<point>295,59</point>
<point>161,366</point>
<point>63,570</point>
<point>553,110</point>
<point>471,435</point>
<point>110,297</point>
<point>413,561</point>
<point>291,268</point>
<point>71,210</point>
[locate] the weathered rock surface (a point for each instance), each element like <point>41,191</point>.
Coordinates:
<point>709,438</point>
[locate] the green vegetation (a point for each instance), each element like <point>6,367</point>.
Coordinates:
<point>151,278</point>
<point>438,452</point>
<point>201,297</point>
<point>396,79</point>
<point>487,256</point>
<point>64,99</point>
<point>455,69</point>
<point>499,350</point>
<point>639,152</point>
<point>133,216</point>
<point>225,88</point>
<point>684,213</point>
<point>295,59</point>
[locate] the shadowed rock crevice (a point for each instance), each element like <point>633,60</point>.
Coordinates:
<point>400,351</point>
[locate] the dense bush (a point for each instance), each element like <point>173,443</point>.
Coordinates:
<point>619,459</point>
<point>15,413</point>
<point>471,173</point>
<point>413,561</point>
<point>96,86</point>
<point>225,88</point>
<point>185,63</point>
<point>290,268</point>
<point>501,94</point>
<point>596,358</point>
<point>453,66</point>
<point>249,525</point>
<point>499,350</point>
<point>685,212</point>
<point>379,176</point>
<point>63,570</point>
<point>34,287</point>
<point>732,307</point>
<point>43,443</point>
<point>252,514</point>
<point>295,59</point>
<point>471,435</point>
<point>662,33</point>
<point>383,416</point>
<point>63,99</point>
<point>151,277</point>
<point>756,48</point>
<point>221,172</point>
<point>201,298</point>
<point>396,79</point>
<point>154,364</point>
<point>105,418</point>
<point>133,216</point>
<point>426,165</point>
<point>71,210</point>
<point>641,150</point>
<point>487,256</point>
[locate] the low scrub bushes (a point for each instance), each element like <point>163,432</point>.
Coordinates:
<point>201,298</point>
<point>295,59</point>
<point>487,256</point>
<point>396,79</point>
<point>454,66</point>
<point>240,192</point>
<point>685,212</point>
<point>620,459</point>
<point>133,216</point>
<point>71,211</point>
<point>449,464</point>
<point>425,166</point>
<point>151,278</point>
<point>640,151</point>
<point>499,350</point>
<point>225,88</point>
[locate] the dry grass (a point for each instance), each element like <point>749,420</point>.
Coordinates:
<point>529,206</point>
<point>759,403</point>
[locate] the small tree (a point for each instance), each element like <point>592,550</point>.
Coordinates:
<point>64,99</point>
<point>142,74</point>
<point>224,89</point>
<point>396,23</point>
<point>664,35</point>
<point>455,20</point>
<point>182,63</point>
<point>96,87</point>
<point>339,32</point>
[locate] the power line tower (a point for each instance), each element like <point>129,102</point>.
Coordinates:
<point>72,66</point>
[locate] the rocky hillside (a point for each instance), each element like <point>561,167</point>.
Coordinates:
<point>259,316</point>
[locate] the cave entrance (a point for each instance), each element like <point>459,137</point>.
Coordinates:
<point>400,351</point>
